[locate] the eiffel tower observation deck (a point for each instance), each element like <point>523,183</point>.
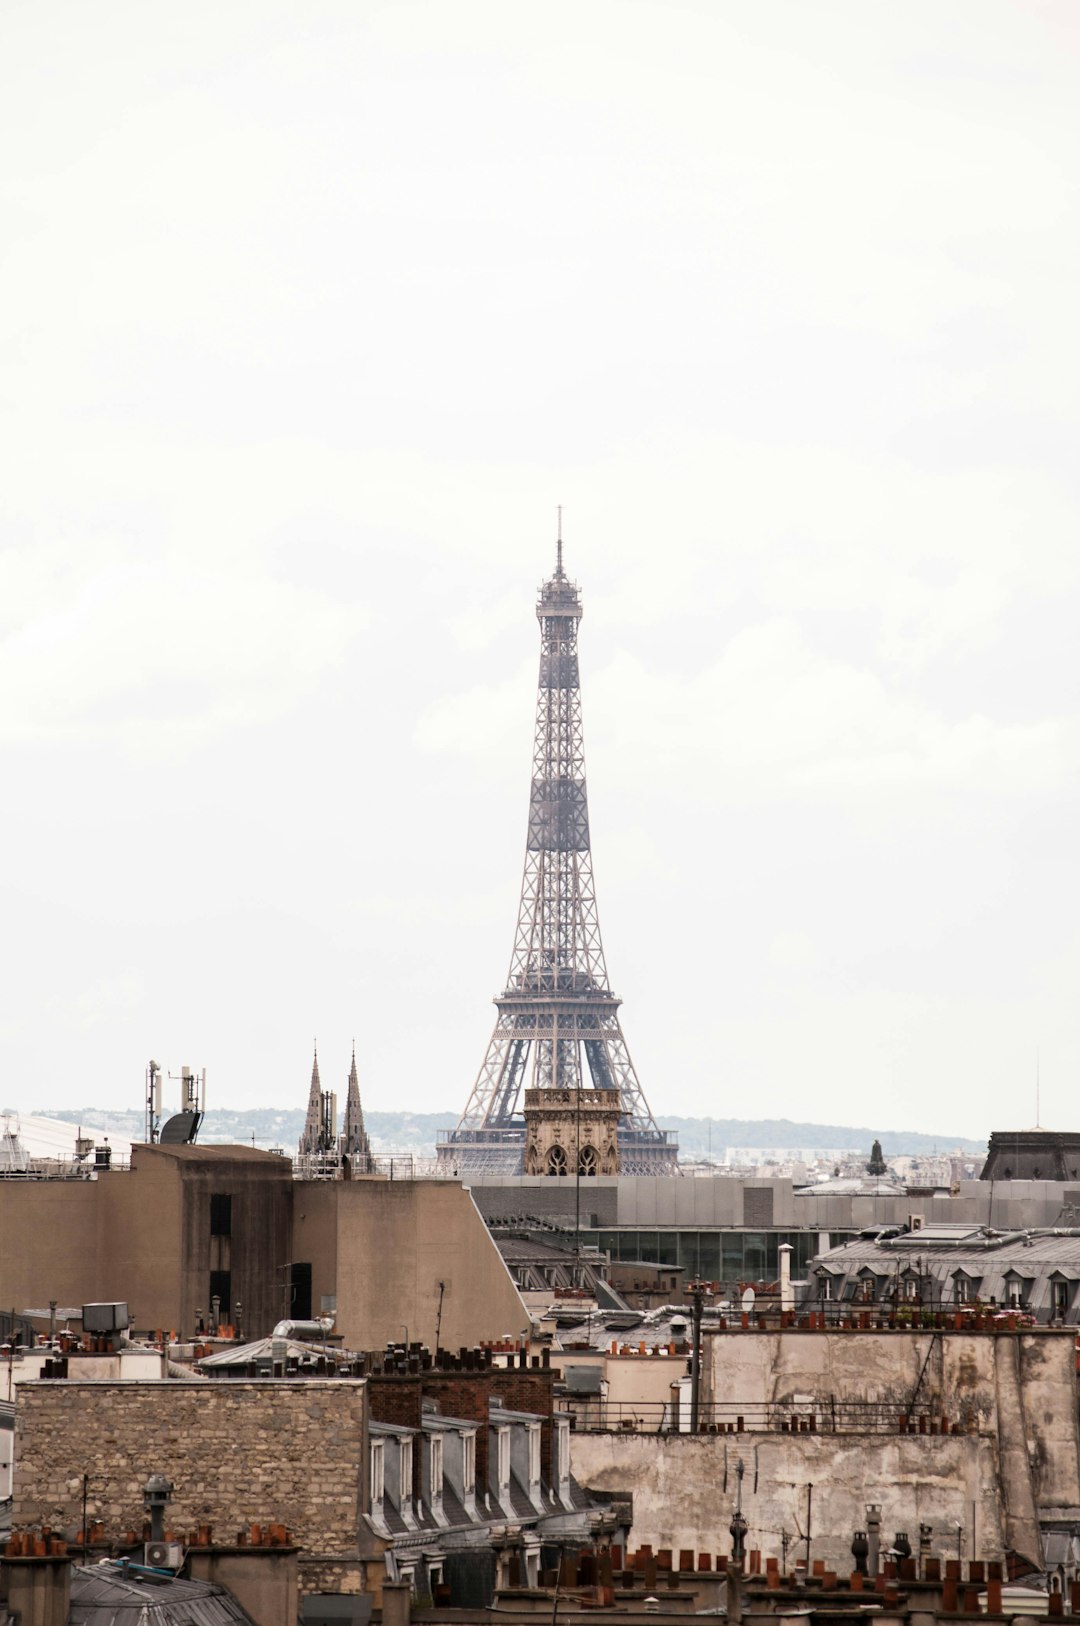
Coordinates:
<point>558,1020</point>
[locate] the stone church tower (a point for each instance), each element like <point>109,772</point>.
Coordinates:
<point>572,1131</point>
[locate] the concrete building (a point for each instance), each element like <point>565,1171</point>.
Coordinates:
<point>194,1236</point>
<point>728,1230</point>
<point>181,1226</point>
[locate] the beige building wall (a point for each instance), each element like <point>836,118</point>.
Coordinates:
<point>384,1247</point>
<point>638,1386</point>
<point>684,1486</point>
<point>142,1236</point>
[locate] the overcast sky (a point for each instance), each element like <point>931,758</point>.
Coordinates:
<point>312,313</point>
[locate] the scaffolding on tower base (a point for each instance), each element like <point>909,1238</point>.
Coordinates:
<point>558,1021</point>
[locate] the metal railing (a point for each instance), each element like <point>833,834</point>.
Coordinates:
<point>595,1415</point>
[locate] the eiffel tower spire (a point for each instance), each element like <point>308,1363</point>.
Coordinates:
<point>558,1022</point>
<point>354,1139</point>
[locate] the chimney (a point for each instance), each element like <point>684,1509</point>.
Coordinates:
<point>396,1603</point>
<point>873,1537</point>
<point>787,1292</point>
<point>37,1591</point>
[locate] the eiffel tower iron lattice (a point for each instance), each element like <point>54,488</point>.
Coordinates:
<point>558,1020</point>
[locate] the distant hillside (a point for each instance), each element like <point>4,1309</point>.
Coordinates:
<point>417,1132</point>
<point>702,1137</point>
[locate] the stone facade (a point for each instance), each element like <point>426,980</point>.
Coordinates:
<point>237,1453</point>
<point>571,1130</point>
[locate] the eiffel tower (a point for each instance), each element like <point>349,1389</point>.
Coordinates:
<point>558,1022</point>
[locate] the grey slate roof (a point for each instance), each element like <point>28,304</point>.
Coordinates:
<point>989,1260</point>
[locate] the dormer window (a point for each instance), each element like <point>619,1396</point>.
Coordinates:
<point>468,1464</point>
<point>1016,1287</point>
<point>1060,1297</point>
<point>503,1437</point>
<point>406,1473</point>
<point>378,1474</point>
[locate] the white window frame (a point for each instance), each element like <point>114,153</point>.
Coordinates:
<point>503,1453</point>
<point>378,1473</point>
<point>562,1445</point>
<point>435,1468</point>
<point>406,1475</point>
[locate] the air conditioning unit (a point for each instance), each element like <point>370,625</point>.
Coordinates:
<point>915,1222</point>
<point>163,1555</point>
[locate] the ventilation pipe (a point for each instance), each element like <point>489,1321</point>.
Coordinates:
<point>787,1292</point>
<point>873,1537</point>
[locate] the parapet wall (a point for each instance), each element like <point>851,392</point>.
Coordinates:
<point>237,1453</point>
<point>684,1488</point>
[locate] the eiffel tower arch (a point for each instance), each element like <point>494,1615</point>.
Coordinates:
<point>558,1021</point>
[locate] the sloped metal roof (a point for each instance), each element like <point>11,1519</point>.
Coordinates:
<point>109,1593</point>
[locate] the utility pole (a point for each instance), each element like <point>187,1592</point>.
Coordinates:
<point>698,1292</point>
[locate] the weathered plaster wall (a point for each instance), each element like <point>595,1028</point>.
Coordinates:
<point>683,1487</point>
<point>237,1453</point>
<point>1048,1384</point>
<point>1019,1387</point>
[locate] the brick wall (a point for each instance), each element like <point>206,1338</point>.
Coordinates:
<point>237,1453</point>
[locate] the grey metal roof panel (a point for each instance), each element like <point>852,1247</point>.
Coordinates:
<point>111,1592</point>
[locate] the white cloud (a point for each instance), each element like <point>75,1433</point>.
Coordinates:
<point>158,655</point>
<point>311,316</point>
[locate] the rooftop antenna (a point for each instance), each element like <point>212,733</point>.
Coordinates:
<point>558,546</point>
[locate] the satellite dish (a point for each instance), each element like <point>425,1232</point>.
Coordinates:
<point>181,1129</point>
<point>748,1298</point>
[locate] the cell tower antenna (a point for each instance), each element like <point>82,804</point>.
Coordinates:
<point>558,546</point>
